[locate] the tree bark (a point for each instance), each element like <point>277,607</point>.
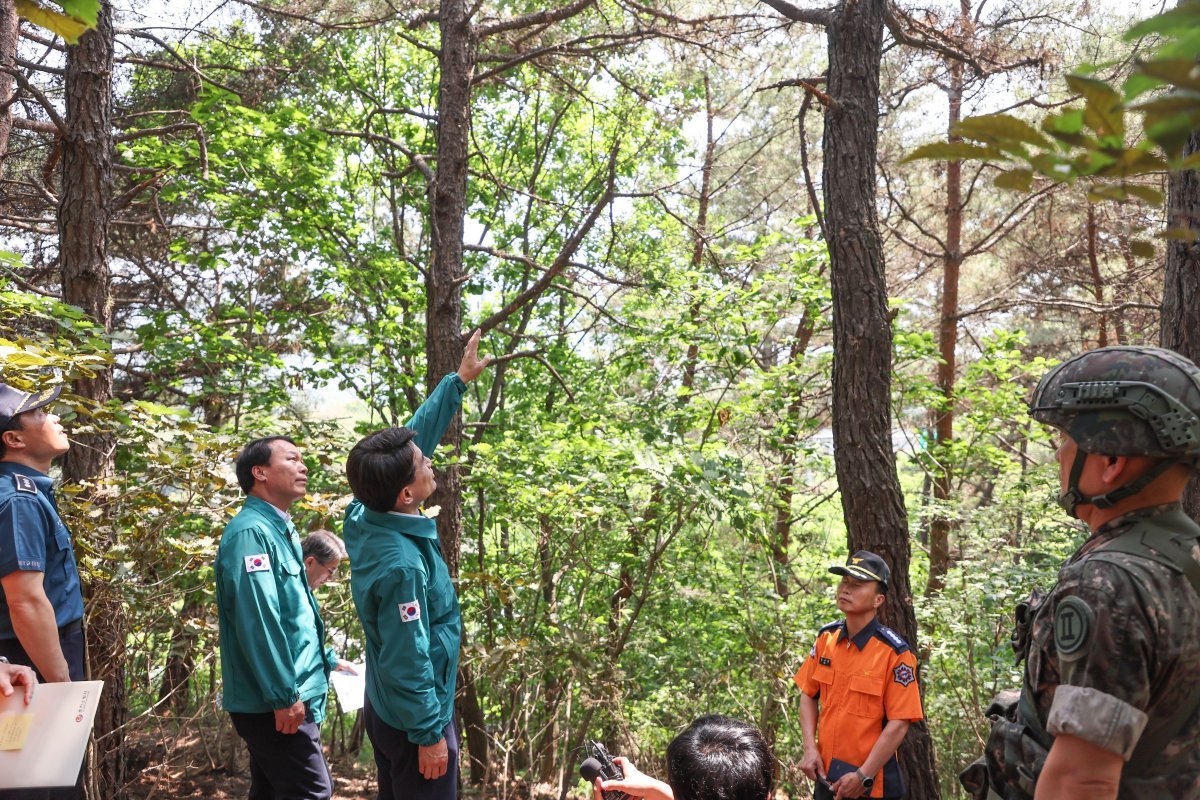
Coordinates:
<point>942,478</point>
<point>83,219</point>
<point>872,503</point>
<point>1097,278</point>
<point>443,322</point>
<point>1180,325</point>
<point>10,26</point>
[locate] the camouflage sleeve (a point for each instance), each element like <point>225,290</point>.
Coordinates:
<point>1104,638</point>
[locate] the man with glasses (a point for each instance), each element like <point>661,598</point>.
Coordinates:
<point>323,553</point>
<point>41,604</point>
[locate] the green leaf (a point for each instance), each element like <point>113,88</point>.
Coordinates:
<point>1103,111</point>
<point>1171,134</point>
<point>1137,85</point>
<point>1000,129</point>
<point>1067,127</point>
<point>1181,18</point>
<point>1147,193</point>
<point>85,10</point>
<point>1181,234</point>
<point>1141,249</point>
<point>952,151</point>
<point>1107,191</point>
<point>68,27</point>
<point>1182,72</point>
<point>1017,179</point>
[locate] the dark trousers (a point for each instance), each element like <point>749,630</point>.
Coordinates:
<point>284,766</point>
<point>70,639</point>
<point>396,759</point>
<point>822,792</point>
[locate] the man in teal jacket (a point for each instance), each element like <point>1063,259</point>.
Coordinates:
<point>406,599</point>
<point>274,676</point>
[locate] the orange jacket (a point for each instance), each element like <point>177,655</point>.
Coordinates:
<point>860,684</point>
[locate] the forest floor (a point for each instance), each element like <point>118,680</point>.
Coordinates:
<point>200,761</point>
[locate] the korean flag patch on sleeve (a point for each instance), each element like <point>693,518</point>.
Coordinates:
<point>258,563</point>
<point>410,611</point>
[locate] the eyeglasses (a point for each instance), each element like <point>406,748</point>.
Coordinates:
<point>329,572</point>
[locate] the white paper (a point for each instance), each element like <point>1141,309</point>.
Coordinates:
<point>53,752</point>
<point>351,689</point>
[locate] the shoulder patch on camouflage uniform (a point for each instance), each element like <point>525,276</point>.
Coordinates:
<point>25,484</point>
<point>1073,621</point>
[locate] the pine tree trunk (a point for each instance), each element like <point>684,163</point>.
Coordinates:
<point>83,219</point>
<point>942,478</point>
<point>9,31</point>
<point>1180,323</point>
<point>443,331</point>
<point>872,503</point>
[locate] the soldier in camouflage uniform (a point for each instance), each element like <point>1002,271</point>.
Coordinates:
<point>1111,702</point>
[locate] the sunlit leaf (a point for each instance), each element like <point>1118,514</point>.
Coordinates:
<point>68,27</point>
<point>1000,129</point>
<point>1183,17</point>
<point>952,151</point>
<point>1103,111</point>
<point>1017,179</point>
<point>1142,249</point>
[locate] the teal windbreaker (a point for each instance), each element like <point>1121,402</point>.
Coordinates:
<point>405,598</point>
<point>272,636</point>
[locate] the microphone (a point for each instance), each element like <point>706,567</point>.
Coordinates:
<point>601,766</point>
<point>590,769</point>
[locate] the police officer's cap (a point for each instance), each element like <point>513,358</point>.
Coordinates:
<point>866,566</point>
<point>14,401</point>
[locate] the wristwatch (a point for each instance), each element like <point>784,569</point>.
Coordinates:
<point>867,783</point>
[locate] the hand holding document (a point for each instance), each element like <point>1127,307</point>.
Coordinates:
<point>42,743</point>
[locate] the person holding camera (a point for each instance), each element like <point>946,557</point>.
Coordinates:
<point>714,758</point>
<point>860,682</point>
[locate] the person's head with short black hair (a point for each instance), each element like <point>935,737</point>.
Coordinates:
<point>719,758</point>
<point>381,465</point>
<point>255,454</point>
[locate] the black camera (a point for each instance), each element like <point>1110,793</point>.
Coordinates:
<point>599,764</point>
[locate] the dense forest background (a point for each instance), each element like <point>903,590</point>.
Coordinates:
<point>251,217</point>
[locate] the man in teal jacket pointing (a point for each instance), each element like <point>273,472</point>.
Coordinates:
<point>274,676</point>
<point>406,599</point>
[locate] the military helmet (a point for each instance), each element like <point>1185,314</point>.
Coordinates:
<point>1125,401</point>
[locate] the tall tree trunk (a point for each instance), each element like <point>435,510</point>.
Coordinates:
<point>443,322</point>
<point>1094,271</point>
<point>942,478</point>
<point>1180,325</point>
<point>10,26</point>
<point>83,219</point>
<point>872,503</point>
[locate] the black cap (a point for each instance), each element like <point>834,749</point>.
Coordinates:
<point>14,401</point>
<point>865,566</point>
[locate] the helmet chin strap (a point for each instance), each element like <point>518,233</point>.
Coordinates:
<point>1072,497</point>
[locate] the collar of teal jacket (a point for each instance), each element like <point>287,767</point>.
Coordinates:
<point>409,524</point>
<point>270,513</point>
